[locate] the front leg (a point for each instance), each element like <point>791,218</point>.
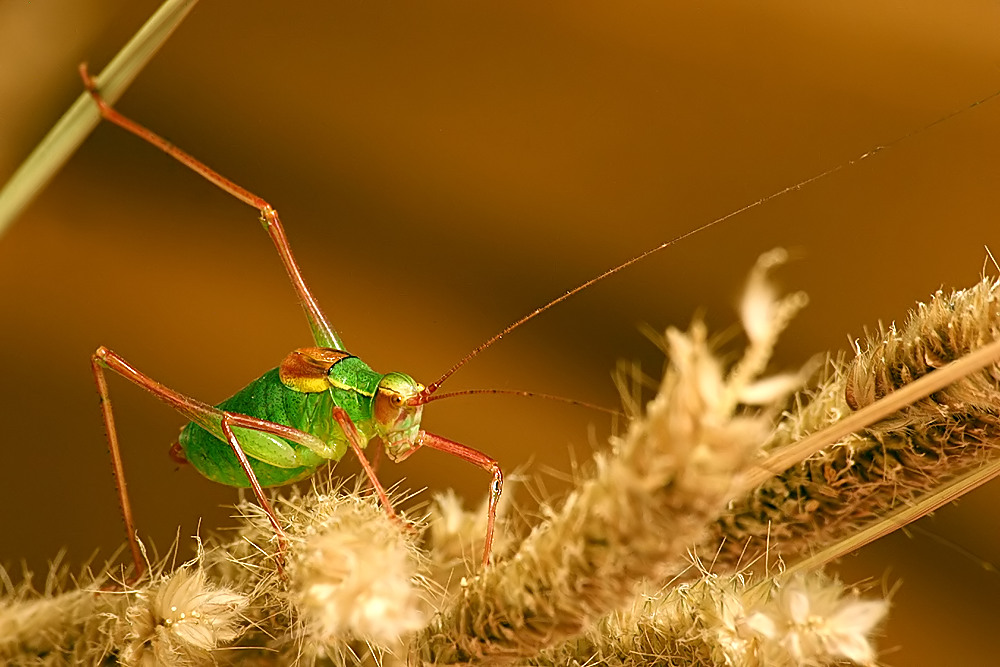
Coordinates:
<point>477,458</point>
<point>354,440</point>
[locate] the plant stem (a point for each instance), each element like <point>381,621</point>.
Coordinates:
<point>82,117</point>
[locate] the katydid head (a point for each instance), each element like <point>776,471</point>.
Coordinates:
<point>396,414</point>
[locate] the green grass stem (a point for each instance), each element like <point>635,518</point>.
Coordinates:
<point>82,117</point>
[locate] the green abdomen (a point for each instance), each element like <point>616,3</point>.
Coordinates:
<point>265,398</point>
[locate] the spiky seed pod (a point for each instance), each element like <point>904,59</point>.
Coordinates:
<point>667,479</point>
<point>698,624</point>
<point>892,463</point>
<point>946,328</point>
<point>634,517</point>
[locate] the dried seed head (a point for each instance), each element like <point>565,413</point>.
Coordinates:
<point>894,463</point>
<point>180,621</point>
<point>668,478</point>
<point>356,577</point>
<point>731,620</point>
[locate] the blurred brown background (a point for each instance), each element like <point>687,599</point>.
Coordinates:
<point>442,169</point>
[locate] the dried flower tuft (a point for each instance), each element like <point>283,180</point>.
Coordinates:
<point>455,535</point>
<point>811,622</point>
<point>180,621</point>
<point>67,622</point>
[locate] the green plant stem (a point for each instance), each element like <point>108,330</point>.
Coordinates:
<point>82,117</point>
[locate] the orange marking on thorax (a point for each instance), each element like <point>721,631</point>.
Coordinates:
<point>307,369</point>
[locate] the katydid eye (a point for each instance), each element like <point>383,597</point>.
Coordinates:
<point>392,397</point>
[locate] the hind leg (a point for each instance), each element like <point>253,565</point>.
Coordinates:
<point>208,417</point>
<point>323,333</point>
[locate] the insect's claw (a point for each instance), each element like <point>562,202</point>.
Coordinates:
<point>88,81</point>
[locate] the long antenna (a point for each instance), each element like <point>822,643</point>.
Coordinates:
<point>423,396</point>
<point>525,394</point>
